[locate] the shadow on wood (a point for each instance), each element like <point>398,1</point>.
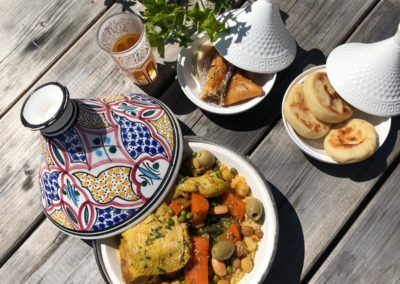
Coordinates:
<point>289,259</point>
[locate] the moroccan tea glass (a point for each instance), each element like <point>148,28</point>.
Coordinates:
<point>124,38</point>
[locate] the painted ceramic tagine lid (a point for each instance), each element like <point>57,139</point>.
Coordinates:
<point>368,75</point>
<point>106,164</point>
<point>258,40</point>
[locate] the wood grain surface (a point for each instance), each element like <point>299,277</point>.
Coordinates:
<point>33,35</point>
<point>370,251</point>
<point>88,73</point>
<point>315,200</point>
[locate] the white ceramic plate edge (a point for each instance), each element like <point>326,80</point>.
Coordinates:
<point>190,89</point>
<point>106,255</point>
<point>306,145</point>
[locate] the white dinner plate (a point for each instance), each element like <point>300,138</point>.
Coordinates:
<point>315,147</point>
<point>106,250</point>
<point>192,89</point>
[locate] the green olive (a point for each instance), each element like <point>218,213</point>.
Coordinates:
<point>254,209</point>
<point>222,250</point>
<point>205,159</point>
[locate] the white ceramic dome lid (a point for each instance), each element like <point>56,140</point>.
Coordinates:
<point>258,40</point>
<point>368,75</point>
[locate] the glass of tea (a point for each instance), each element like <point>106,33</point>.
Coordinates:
<point>123,37</point>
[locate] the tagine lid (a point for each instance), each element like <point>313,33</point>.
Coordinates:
<point>258,40</point>
<point>106,164</point>
<point>367,75</point>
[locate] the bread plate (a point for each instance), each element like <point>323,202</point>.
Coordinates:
<point>315,147</point>
<point>186,66</point>
<point>106,250</point>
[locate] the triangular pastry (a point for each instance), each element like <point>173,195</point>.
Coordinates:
<point>240,89</point>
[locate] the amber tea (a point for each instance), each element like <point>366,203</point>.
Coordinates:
<point>124,38</point>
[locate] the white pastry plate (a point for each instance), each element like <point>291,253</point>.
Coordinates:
<point>315,147</point>
<point>192,89</point>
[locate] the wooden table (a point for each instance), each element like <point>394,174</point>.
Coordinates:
<point>338,224</point>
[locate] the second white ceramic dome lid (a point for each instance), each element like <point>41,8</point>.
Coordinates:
<point>368,75</point>
<point>258,40</point>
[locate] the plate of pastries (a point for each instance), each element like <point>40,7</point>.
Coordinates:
<point>325,126</point>
<point>214,84</point>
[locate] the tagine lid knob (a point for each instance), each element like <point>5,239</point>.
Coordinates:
<point>106,163</point>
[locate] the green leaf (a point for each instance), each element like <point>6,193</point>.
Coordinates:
<point>167,21</point>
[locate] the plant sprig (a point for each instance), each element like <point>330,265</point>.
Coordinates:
<point>172,22</point>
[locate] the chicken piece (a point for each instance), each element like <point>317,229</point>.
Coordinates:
<point>208,185</point>
<point>155,246</point>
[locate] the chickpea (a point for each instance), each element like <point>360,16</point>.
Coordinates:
<point>218,267</point>
<point>246,264</point>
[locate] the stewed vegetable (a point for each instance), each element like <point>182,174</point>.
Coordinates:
<point>222,250</point>
<point>254,209</point>
<point>213,219</point>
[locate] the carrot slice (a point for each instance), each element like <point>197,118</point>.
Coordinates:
<point>200,208</point>
<point>177,205</point>
<point>233,234</point>
<point>196,270</point>
<point>235,205</point>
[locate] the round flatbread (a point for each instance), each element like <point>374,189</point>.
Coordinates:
<point>355,141</point>
<point>299,116</point>
<point>323,101</point>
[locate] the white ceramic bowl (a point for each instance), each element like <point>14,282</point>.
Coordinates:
<point>315,147</point>
<point>191,86</point>
<point>106,250</point>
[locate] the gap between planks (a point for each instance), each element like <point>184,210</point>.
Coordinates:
<point>57,59</point>
<point>353,218</point>
<point>41,218</point>
<point>38,221</point>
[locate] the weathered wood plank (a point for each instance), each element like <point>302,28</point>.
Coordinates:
<point>33,35</point>
<point>323,196</point>
<point>87,72</point>
<point>320,197</point>
<point>49,256</point>
<point>369,252</point>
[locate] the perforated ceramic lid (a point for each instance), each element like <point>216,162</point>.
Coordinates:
<point>258,40</point>
<point>111,168</point>
<point>368,75</point>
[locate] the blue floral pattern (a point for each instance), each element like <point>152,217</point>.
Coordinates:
<point>51,186</point>
<point>137,138</point>
<point>73,145</point>
<point>110,216</point>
